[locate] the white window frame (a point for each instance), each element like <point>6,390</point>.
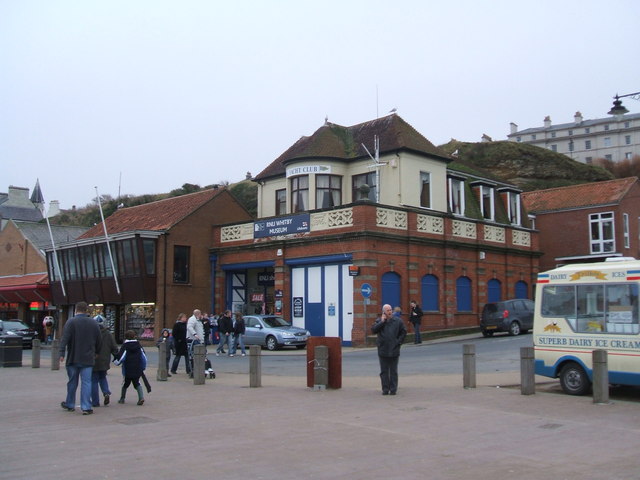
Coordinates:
<point>513,207</point>
<point>459,186</point>
<point>625,230</point>
<point>485,190</point>
<point>607,141</point>
<point>427,176</point>
<point>597,243</point>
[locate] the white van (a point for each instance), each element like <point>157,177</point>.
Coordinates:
<point>583,307</point>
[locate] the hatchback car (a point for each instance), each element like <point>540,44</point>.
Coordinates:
<point>273,332</point>
<point>513,316</point>
<point>19,328</point>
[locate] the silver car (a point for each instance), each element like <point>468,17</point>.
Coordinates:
<point>273,332</point>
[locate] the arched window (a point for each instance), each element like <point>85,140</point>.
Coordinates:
<point>463,294</point>
<point>391,289</point>
<point>494,290</point>
<point>430,300</point>
<point>522,289</point>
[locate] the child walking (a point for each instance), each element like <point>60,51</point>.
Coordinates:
<point>133,360</point>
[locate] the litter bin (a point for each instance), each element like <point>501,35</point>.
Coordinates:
<point>10,351</point>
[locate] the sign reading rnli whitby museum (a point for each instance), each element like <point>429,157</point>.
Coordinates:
<point>281,226</point>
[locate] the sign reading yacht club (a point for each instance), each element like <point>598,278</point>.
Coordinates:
<point>305,169</point>
<point>281,226</point>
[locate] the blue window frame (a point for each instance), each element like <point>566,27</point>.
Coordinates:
<point>494,290</point>
<point>522,289</point>
<point>430,300</point>
<point>463,294</point>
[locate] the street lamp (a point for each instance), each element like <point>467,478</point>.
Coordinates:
<point>617,108</point>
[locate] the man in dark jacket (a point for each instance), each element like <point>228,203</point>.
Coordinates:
<point>81,340</point>
<point>391,332</point>
<point>225,327</point>
<point>415,317</point>
<point>180,344</point>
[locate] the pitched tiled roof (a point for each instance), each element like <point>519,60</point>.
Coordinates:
<point>345,143</point>
<point>154,216</point>
<point>38,233</point>
<point>577,196</point>
<point>23,280</point>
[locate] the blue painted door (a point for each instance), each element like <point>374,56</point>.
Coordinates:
<point>391,289</point>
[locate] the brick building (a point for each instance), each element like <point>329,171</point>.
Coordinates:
<point>161,260</point>
<point>588,222</point>
<point>343,229</point>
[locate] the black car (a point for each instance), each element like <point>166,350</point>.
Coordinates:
<point>18,327</point>
<point>513,316</point>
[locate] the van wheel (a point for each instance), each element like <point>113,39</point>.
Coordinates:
<point>514,329</point>
<point>487,333</point>
<point>574,380</point>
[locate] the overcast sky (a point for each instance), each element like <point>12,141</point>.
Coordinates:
<point>143,96</point>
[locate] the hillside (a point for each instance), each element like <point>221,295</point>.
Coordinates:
<point>527,166</point>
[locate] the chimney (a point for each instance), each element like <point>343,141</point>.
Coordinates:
<point>18,197</point>
<point>486,138</point>
<point>514,128</point>
<point>54,208</point>
<point>248,176</point>
<point>577,117</point>
<point>547,121</point>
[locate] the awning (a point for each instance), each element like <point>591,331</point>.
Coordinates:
<point>33,287</point>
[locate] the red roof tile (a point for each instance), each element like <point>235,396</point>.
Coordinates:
<point>577,196</point>
<point>29,279</point>
<point>154,216</point>
<point>338,142</point>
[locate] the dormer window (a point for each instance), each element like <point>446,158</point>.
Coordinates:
<point>300,194</point>
<point>511,200</point>
<point>425,189</point>
<point>456,195</point>
<point>485,193</point>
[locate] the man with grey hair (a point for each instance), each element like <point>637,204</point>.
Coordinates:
<point>81,340</point>
<point>391,332</point>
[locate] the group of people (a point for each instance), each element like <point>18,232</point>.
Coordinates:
<point>87,345</point>
<point>200,329</point>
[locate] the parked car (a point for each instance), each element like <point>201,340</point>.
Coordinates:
<point>273,332</point>
<point>18,327</point>
<point>513,316</point>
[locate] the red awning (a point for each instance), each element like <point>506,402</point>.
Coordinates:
<point>33,287</point>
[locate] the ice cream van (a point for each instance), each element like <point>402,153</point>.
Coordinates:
<point>583,307</point>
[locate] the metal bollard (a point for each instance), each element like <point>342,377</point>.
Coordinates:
<point>469,366</point>
<point>199,352</point>
<point>55,354</point>
<point>527,371</point>
<point>600,377</point>
<point>35,353</point>
<point>255,366</point>
<point>320,367</point>
<point>161,375</point>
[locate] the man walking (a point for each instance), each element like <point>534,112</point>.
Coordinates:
<point>225,326</point>
<point>391,332</point>
<point>415,317</point>
<point>81,340</point>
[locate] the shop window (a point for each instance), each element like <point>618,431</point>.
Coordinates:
<point>181,264</point>
<point>328,191</point>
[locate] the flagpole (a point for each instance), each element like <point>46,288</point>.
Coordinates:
<point>104,226</point>
<point>55,253</point>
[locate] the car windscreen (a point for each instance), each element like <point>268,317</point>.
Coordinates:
<point>276,322</point>
<point>8,325</point>
<point>491,308</point>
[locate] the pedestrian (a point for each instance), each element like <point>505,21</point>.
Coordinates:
<point>206,325</point>
<point>195,330</point>
<point>179,333</point>
<point>102,364</point>
<point>391,332</point>
<point>215,337</point>
<point>165,337</point>
<point>415,317</point>
<point>81,340</point>
<point>238,334</point>
<point>134,361</point>
<point>225,328</point>
<point>47,324</point>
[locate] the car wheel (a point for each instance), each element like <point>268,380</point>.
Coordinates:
<point>574,380</point>
<point>487,333</point>
<point>300,347</point>
<point>272,343</point>
<point>514,329</point>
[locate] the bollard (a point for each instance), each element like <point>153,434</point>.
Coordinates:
<point>527,371</point>
<point>199,352</point>
<point>255,366</point>
<point>469,366</point>
<point>600,377</point>
<point>35,353</point>
<point>55,354</point>
<point>161,375</point>
<point>320,367</point>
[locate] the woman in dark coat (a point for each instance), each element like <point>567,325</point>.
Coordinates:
<point>179,333</point>
<point>102,364</point>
